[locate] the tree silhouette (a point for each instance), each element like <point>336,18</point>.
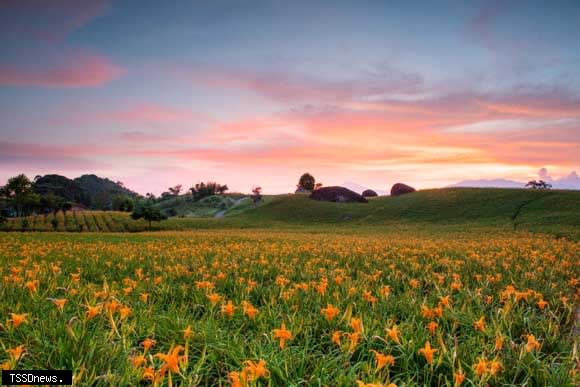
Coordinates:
<point>306,182</point>
<point>175,190</point>
<point>148,212</point>
<point>257,195</point>
<point>538,184</point>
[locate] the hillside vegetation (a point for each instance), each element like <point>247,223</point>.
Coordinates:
<point>88,190</point>
<point>556,212</point>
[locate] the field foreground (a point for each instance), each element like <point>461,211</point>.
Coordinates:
<point>291,308</point>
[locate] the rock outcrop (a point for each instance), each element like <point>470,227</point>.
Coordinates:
<point>338,195</point>
<point>401,189</point>
<point>369,193</point>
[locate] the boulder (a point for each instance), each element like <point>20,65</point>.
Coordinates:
<point>338,195</point>
<point>401,189</point>
<point>369,193</point>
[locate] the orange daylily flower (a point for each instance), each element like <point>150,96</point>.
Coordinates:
<point>255,370</point>
<point>92,311</point>
<point>249,310</point>
<point>238,379</point>
<point>498,343</point>
<point>494,367</point>
<point>393,334</point>
<point>354,338</point>
<point>480,367</point>
<point>16,352</point>
<point>428,352</point>
<point>363,384</point>
<point>283,334</point>
<point>356,324</point>
<point>228,309</point>
<point>149,373</point>
<point>432,327</point>
<point>335,338</point>
<point>170,359</point>
<point>214,298</point>
<point>542,304</point>
<point>383,360</point>
<point>124,312</point>
<point>187,332</point>
<point>31,286</point>
<point>458,378</point>
<point>329,312</point>
<point>444,301</point>
<point>147,343</point>
<point>112,305</point>
<point>480,324</point>
<point>532,344</point>
<point>18,319</point>
<point>138,360</point>
<point>59,302</point>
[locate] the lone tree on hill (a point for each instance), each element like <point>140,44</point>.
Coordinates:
<point>540,184</point>
<point>148,212</point>
<point>257,195</point>
<point>306,182</point>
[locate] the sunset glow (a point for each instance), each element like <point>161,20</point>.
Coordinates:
<point>257,93</point>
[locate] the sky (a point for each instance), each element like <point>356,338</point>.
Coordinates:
<point>254,93</point>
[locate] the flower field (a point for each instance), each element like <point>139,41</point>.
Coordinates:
<point>77,221</point>
<point>291,308</point>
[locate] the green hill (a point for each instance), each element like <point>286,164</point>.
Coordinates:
<point>449,205</point>
<point>89,190</point>
<point>211,206</point>
<point>556,212</point>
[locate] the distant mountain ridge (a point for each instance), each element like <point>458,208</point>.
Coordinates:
<point>359,188</point>
<point>571,181</point>
<point>89,190</point>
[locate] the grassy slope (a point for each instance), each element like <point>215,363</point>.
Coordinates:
<point>549,211</point>
<point>206,207</point>
<point>454,209</point>
<point>454,205</point>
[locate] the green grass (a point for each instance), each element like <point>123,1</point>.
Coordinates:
<point>216,205</point>
<point>452,209</point>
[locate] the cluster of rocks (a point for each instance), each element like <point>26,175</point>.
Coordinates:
<point>345,195</point>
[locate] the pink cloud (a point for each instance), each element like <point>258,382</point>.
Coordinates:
<point>77,70</point>
<point>347,138</point>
